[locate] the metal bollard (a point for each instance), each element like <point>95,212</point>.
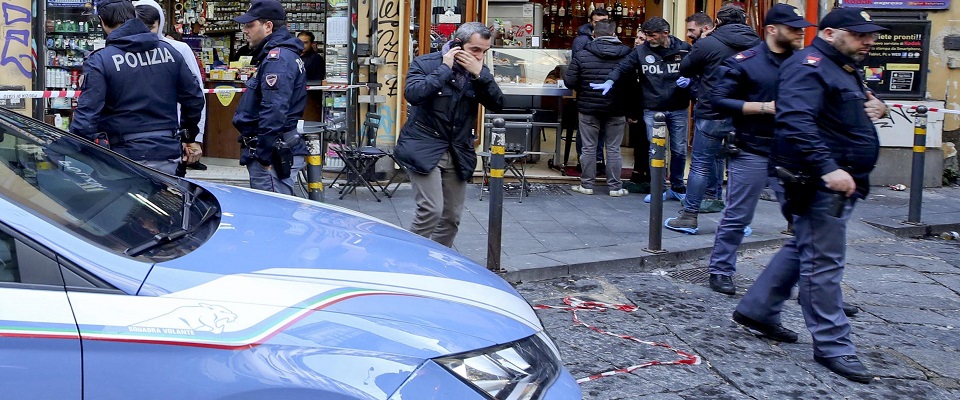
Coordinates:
<point>658,153</point>
<point>916,175</point>
<point>314,166</point>
<point>498,140</point>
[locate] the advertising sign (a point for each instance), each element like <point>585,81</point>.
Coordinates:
<point>896,67</point>
<point>898,4</point>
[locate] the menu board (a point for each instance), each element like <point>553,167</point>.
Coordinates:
<point>896,67</point>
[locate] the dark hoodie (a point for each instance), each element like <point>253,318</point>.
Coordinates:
<point>584,36</point>
<point>276,96</point>
<point>706,56</point>
<point>592,64</point>
<point>133,85</point>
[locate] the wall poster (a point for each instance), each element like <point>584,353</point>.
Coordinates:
<point>896,67</point>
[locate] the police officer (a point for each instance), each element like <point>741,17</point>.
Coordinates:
<point>117,110</point>
<point>746,90</point>
<point>824,148</point>
<point>274,101</point>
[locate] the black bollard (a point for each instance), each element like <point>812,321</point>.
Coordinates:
<point>498,140</point>
<point>658,152</point>
<point>314,166</point>
<point>916,174</point>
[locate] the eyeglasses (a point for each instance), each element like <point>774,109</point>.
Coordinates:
<point>861,35</point>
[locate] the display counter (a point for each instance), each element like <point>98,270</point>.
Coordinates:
<point>532,79</point>
<point>220,137</point>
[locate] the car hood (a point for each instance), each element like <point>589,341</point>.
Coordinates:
<point>284,260</point>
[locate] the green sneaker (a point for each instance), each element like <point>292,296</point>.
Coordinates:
<point>708,206</point>
<point>634,187</point>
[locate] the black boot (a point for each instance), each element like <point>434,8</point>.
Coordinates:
<point>722,284</point>
<point>848,367</point>
<point>772,331</point>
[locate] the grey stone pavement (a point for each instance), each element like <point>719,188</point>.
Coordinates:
<point>558,244</point>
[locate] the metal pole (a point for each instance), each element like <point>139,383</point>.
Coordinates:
<point>657,163</point>
<point>498,140</point>
<point>314,166</point>
<point>916,175</point>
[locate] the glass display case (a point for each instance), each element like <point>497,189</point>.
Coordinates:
<point>534,72</point>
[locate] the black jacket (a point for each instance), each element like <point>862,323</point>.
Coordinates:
<point>584,36</point>
<point>750,75</point>
<point>133,85</point>
<point>821,124</point>
<point>276,96</point>
<point>314,65</point>
<point>442,114</point>
<point>592,65</point>
<point>706,56</point>
<point>658,72</point>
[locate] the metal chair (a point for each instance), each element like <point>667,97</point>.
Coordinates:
<point>359,158</point>
<point>516,152</point>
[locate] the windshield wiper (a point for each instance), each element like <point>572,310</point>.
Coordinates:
<point>188,199</point>
<point>161,239</point>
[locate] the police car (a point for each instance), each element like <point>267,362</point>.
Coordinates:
<point>119,282</point>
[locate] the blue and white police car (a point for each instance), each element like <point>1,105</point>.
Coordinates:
<point>120,282</point>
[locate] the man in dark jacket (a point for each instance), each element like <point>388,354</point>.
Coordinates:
<point>657,63</point>
<point>584,36</point>
<point>599,113</point>
<point>118,110</point>
<point>746,90</point>
<point>314,64</point>
<point>710,126</point>
<point>274,101</point>
<point>436,143</point>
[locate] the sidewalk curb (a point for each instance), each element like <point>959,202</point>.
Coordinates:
<point>902,229</point>
<point>644,262</point>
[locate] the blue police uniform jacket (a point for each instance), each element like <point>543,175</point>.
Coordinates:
<point>443,113</point>
<point>275,98</point>
<point>118,98</point>
<point>821,124</point>
<point>749,76</point>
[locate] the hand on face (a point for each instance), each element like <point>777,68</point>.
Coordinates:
<point>468,62</point>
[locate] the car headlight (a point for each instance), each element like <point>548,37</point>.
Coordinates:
<point>519,370</point>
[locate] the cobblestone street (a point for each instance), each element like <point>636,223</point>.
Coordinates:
<point>908,292</point>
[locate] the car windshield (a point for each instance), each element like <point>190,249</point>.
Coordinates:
<point>99,196</point>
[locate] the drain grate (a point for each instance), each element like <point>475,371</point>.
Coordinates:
<point>700,276</point>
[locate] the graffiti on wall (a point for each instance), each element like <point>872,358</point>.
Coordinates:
<point>15,29</point>
<point>388,50</point>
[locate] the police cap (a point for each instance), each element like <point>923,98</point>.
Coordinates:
<point>785,14</point>
<point>853,19</point>
<point>263,9</point>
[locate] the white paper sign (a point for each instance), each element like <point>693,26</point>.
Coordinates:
<point>338,30</point>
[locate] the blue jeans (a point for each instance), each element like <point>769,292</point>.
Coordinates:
<point>677,131</point>
<point>590,128</point>
<point>704,164</point>
<point>748,177</point>
<point>264,178</point>
<point>813,260</point>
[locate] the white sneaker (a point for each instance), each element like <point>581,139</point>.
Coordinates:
<point>581,189</point>
<point>618,192</point>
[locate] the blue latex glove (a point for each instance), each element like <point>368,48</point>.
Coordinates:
<point>683,82</point>
<point>606,86</point>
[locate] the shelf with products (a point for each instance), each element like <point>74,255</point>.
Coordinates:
<point>70,33</point>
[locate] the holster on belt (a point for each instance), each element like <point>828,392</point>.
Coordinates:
<point>798,189</point>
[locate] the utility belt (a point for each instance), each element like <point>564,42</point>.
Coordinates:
<point>281,157</point>
<point>290,138</point>
<point>125,137</point>
<point>735,142</point>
